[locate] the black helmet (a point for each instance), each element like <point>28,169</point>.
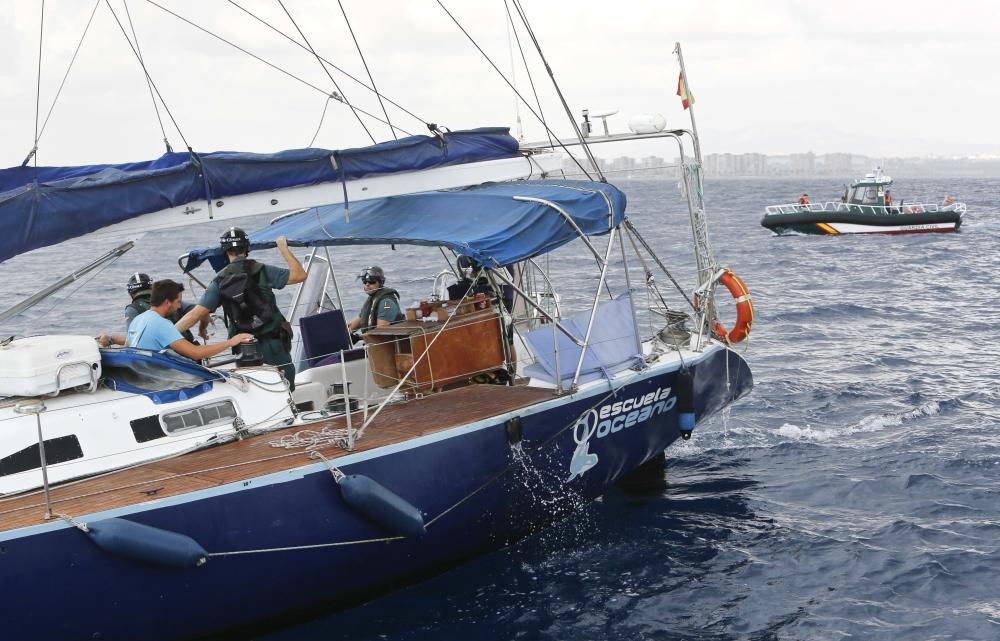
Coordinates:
<point>234,238</point>
<point>138,282</point>
<point>373,274</point>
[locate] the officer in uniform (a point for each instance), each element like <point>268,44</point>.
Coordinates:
<point>382,305</point>
<point>258,313</point>
<point>140,289</point>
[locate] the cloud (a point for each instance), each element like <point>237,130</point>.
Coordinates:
<point>769,76</point>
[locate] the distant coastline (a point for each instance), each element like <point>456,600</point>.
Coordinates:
<point>804,165</point>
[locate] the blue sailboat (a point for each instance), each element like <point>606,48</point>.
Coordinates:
<point>440,456</point>
<point>176,500</point>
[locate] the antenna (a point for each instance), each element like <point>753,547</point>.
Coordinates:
<point>603,115</point>
<point>587,127</point>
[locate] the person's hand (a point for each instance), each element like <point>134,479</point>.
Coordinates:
<point>281,242</point>
<point>203,333</point>
<point>104,340</point>
<point>239,338</point>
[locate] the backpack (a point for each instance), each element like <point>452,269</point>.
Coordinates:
<point>244,304</point>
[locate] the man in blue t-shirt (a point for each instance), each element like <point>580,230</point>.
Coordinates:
<point>153,331</point>
<point>140,288</point>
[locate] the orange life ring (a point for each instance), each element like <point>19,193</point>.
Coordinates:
<point>744,309</point>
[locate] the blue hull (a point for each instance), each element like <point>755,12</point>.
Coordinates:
<point>476,493</point>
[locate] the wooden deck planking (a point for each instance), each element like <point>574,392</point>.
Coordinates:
<point>255,456</point>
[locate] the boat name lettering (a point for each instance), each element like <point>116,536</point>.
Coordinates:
<point>616,416</point>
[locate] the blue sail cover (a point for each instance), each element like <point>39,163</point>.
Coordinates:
<point>46,205</point>
<point>492,223</point>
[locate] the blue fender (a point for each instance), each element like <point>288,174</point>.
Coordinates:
<point>381,506</point>
<point>146,543</point>
<point>684,389</point>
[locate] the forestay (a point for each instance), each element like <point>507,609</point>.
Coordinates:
<point>496,224</point>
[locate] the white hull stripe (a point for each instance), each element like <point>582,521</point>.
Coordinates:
<point>848,228</point>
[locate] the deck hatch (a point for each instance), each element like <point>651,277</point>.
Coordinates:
<point>196,417</point>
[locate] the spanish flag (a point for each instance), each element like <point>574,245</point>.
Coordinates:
<point>687,99</point>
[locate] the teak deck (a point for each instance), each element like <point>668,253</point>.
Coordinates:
<point>255,456</point>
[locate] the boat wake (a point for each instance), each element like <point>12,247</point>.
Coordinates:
<point>732,435</point>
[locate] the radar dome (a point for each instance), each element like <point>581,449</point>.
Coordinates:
<point>646,123</point>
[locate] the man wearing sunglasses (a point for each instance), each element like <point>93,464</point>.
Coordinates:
<point>382,305</point>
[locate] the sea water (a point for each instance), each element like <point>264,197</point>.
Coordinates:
<point>854,494</point>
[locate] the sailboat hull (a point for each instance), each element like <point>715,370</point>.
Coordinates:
<point>287,542</point>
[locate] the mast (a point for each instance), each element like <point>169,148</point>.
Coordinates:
<point>694,186</point>
<point>690,107</point>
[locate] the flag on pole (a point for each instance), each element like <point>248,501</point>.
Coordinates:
<point>687,99</point>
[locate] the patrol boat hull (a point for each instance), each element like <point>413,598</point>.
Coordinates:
<point>849,222</point>
<point>287,542</point>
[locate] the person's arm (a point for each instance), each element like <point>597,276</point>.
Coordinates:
<point>388,312</point>
<point>203,328</point>
<point>354,324</point>
<point>107,340</point>
<point>197,313</point>
<point>296,273</point>
<point>199,352</point>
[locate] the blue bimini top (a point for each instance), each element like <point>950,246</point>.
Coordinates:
<point>496,224</point>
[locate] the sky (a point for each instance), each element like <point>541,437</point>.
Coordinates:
<point>885,79</point>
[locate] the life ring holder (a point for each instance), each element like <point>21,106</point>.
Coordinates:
<point>744,309</point>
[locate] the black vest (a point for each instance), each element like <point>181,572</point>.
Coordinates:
<point>369,311</point>
<point>141,302</point>
<point>254,270</point>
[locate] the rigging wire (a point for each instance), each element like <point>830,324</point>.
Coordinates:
<point>38,88</point>
<point>322,116</point>
<point>647,272</point>
<point>337,97</point>
<point>514,89</point>
<point>531,80</point>
<point>156,108</point>
<point>635,232</point>
<point>149,78</point>
<point>367,70</point>
<point>513,76</point>
<point>45,122</point>
<point>524,61</point>
<point>576,127</point>
<point>328,74</point>
<point>335,67</point>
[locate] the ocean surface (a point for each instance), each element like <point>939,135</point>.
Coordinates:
<point>854,494</point>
